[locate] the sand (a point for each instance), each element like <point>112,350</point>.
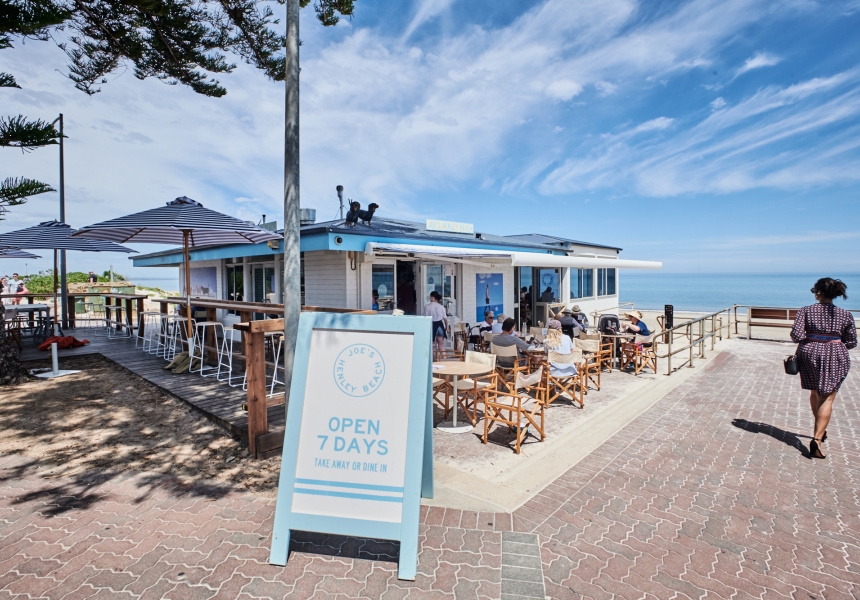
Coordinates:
<point>107,420</point>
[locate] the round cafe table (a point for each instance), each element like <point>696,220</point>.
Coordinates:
<point>454,369</point>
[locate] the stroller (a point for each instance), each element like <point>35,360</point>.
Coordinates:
<point>608,324</point>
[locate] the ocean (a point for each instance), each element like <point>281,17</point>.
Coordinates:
<point>651,290</point>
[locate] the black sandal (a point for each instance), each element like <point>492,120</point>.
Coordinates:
<point>815,450</point>
<point>824,437</point>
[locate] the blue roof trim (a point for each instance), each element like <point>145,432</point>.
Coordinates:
<point>323,236</point>
<point>174,257</point>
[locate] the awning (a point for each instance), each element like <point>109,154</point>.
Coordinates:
<point>505,257</point>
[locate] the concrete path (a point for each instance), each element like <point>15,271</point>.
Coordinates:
<point>708,493</point>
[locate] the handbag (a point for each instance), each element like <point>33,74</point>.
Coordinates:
<point>790,364</point>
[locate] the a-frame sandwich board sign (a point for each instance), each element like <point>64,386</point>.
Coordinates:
<point>358,447</point>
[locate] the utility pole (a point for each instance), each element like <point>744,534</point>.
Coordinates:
<point>64,292</point>
<point>292,257</point>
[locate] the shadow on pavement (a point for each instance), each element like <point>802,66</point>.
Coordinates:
<point>344,546</point>
<point>788,437</point>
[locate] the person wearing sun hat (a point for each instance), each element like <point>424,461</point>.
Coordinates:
<point>636,325</point>
<point>569,323</point>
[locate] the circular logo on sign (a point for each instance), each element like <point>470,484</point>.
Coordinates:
<point>359,370</point>
<point>547,278</point>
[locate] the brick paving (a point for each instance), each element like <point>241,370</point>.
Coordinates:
<point>708,494</point>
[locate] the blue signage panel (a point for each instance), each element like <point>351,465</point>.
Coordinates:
<point>358,449</point>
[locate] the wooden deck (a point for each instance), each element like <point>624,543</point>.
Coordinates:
<point>219,402</point>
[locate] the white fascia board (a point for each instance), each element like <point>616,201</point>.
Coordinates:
<point>501,257</point>
<point>373,248</point>
<point>550,261</point>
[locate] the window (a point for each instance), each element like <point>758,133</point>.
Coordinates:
<point>235,285</point>
<point>548,285</point>
<point>582,283</point>
<point>605,282</point>
<point>382,280</point>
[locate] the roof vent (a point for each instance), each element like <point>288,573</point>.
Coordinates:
<point>307,216</point>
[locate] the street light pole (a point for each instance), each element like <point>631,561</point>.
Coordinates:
<point>64,293</point>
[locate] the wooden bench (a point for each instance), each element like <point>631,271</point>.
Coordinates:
<point>776,317</point>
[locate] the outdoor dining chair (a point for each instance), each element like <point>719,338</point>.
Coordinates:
<point>12,325</point>
<point>472,390</point>
<point>508,375</point>
<point>447,354</point>
<point>594,354</point>
<point>520,409</point>
<point>461,337</point>
<point>560,383</point>
<point>641,354</point>
<point>486,341</point>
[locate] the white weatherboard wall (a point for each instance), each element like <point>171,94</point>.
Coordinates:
<point>327,274</point>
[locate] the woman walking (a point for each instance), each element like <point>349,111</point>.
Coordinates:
<point>439,316</point>
<point>824,333</point>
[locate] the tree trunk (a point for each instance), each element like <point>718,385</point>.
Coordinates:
<point>292,257</point>
<point>11,371</point>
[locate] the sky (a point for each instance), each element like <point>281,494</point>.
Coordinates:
<point>714,136</point>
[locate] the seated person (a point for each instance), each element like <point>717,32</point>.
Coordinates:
<point>570,326</point>
<point>559,343</point>
<point>375,304</point>
<point>547,295</point>
<point>483,326</point>
<point>509,338</point>
<point>580,316</point>
<point>636,324</point>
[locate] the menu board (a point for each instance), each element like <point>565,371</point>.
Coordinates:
<point>356,435</point>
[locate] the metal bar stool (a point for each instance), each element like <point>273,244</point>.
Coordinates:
<point>225,357</point>
<point>278,365</point>
<point>145,320</point>
<point>270,343</point>
<point>153,330</point>
<point>114,315</point>
<point>198,347</point>
<point>178,335</point>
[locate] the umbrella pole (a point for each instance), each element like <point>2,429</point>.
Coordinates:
<point>185,234</point>
<point>55,293</point>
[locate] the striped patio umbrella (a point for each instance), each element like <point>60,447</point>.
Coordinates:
<point>16,253</point>
<point>55,235</point>
<point>181,221</point>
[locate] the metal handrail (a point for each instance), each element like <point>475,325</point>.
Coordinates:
<point>748,321</point>
<point>597,313</point>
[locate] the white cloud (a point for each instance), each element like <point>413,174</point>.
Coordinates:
<point>718,104</point>
<point>563,89</point>
<point>758,61</point>
<point>605,88</point>
<point>753,144</point>
<point>653,125</point>
<point>427,10</point>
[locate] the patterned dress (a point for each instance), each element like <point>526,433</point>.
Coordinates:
<point>823,363</point>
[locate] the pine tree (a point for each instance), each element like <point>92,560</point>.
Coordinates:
<point>27,135</point>
<point>181,42</point>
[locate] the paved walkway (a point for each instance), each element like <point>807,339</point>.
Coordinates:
<point>707,494</point>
